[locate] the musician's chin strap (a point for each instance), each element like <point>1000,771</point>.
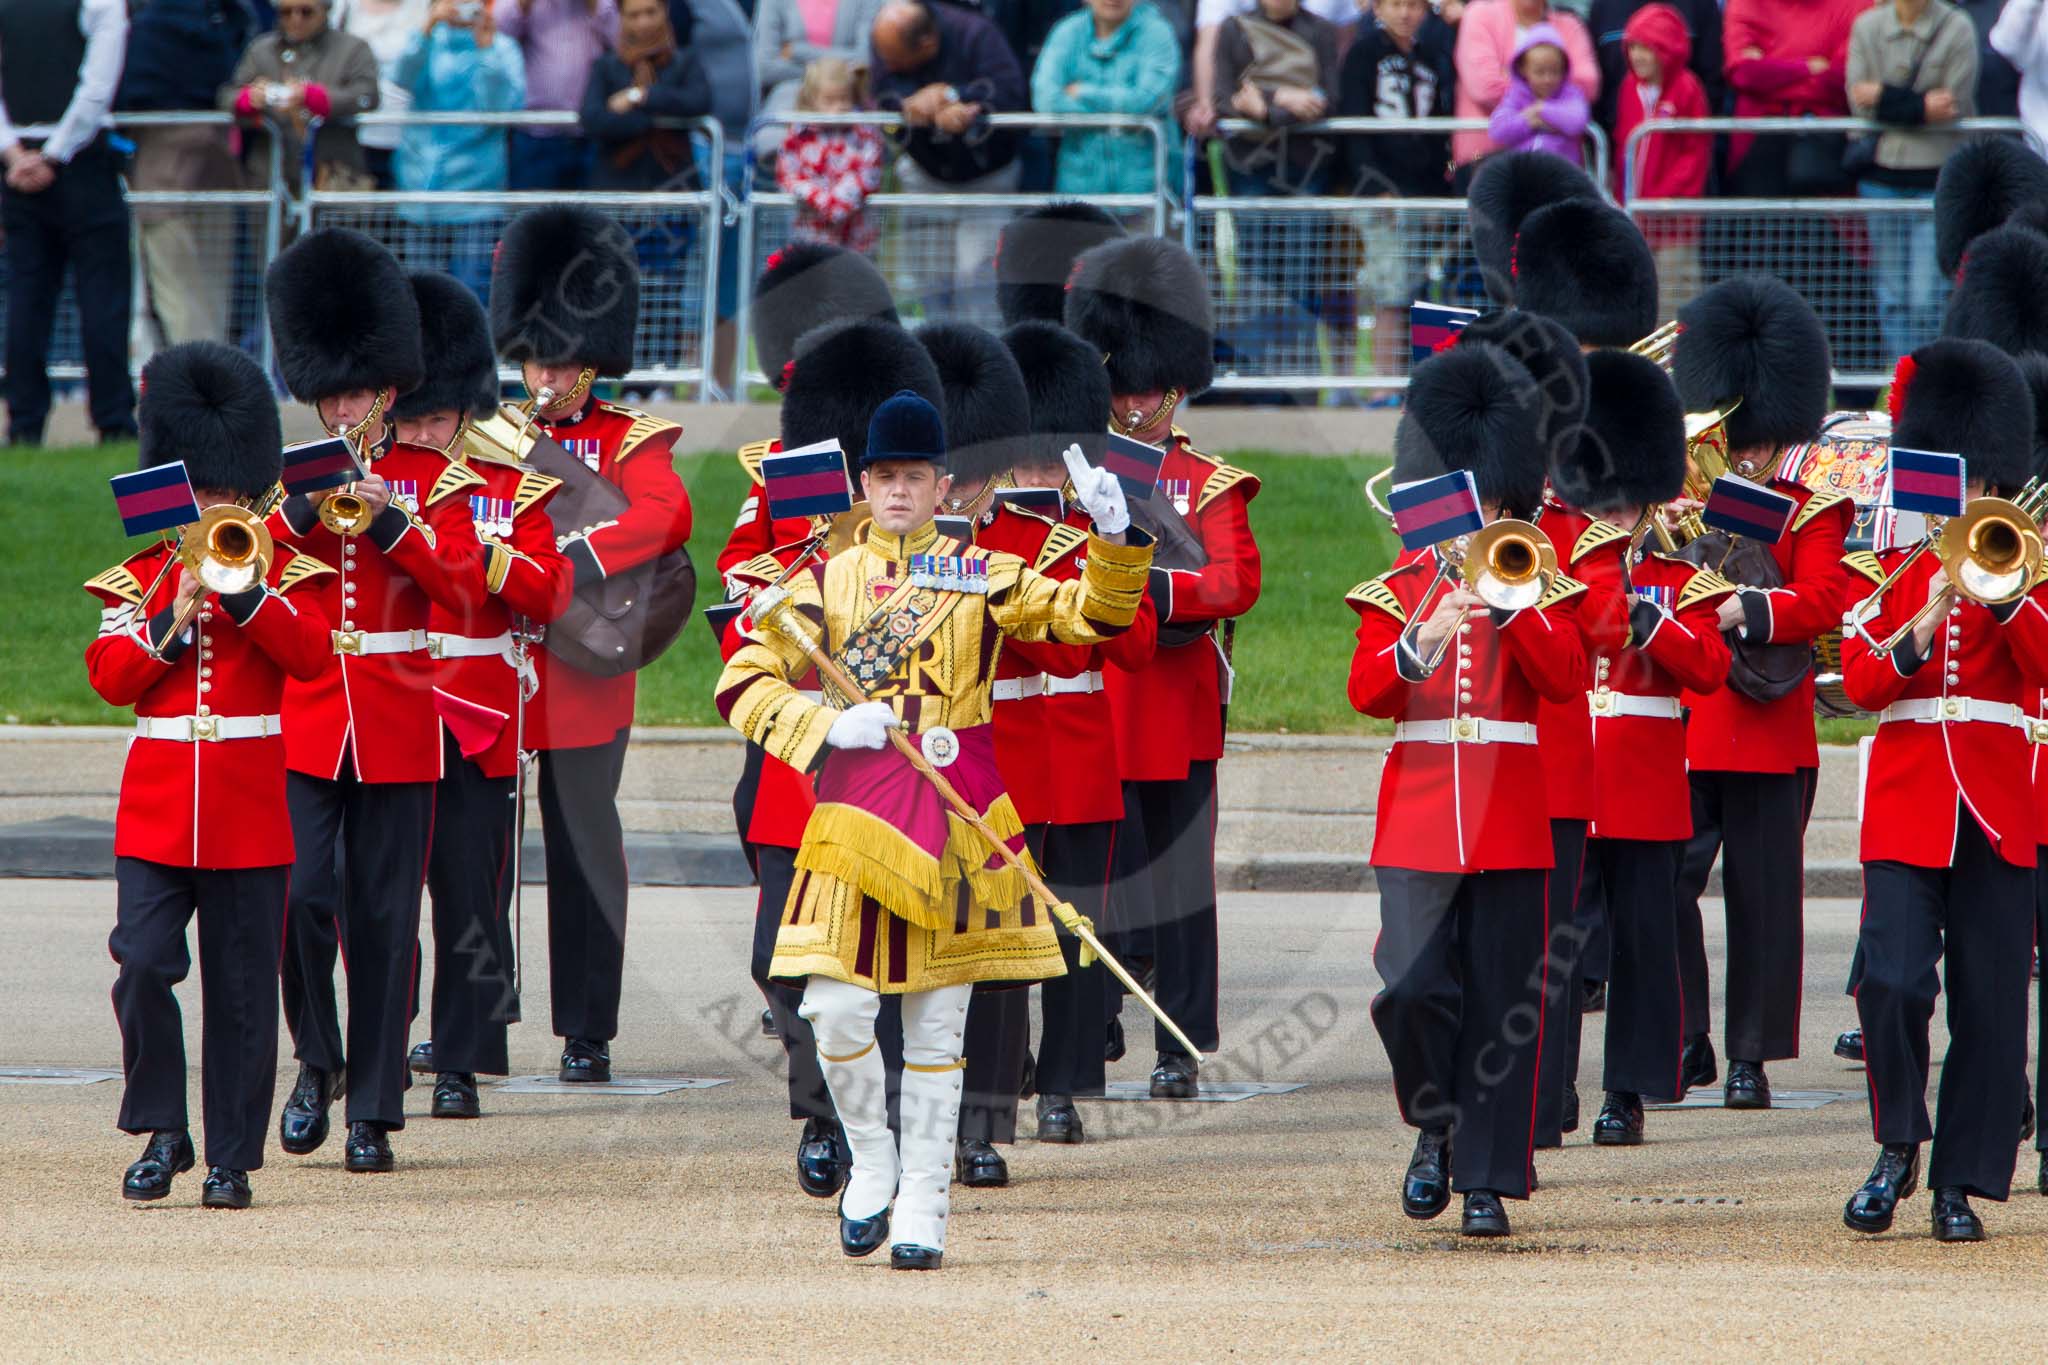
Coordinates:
<point>1134,421</point>
<point>545,399</point>
<point>357,435</point>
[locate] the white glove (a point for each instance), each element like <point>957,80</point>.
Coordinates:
<point>1099,492</point>
<point>865,726</point>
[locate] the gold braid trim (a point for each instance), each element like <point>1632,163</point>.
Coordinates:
<point>867,852</point>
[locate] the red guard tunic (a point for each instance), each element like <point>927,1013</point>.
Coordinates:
<point>2038,732</point>
<point>1463,783</point>
<point>1952,730</point>
<point>1727,731</point>
<point>575,709</point>
<point>1170,713</point>
<point>783,797</point>
<point>1565,729</point>
<point>374,700</point>
<point>190,800</point>
<point>476,690</point>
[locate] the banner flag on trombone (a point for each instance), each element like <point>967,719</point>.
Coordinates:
<point>1928,482</point>
<point>1741,508</point>
<point>1434,326</point>
<point>1431,511</point>
<point>155,499</point>
<point>809,481</point>
<point>1135,464</point>
<point>328,462</point>
<point>718,615</point>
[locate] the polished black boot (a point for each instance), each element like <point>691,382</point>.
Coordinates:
<point>1484,1216</point>
<point>302,1127</point>
<point>420,1061</point>
<point>455,1096</point>
<point>1426,1189</point>
<point>1176,1077</point>
<point>1698,1067</point>
<point>979,1166</point>
<point>768,1029</point>
<point>225,1189</point>
<point>368,1149</point>
<point>1748,1087</point>
<point>1954,1219</point>
<point>863,1236</point>
<point>1849,1045</point>
<point>169,1152</point>
<point>1621,1121</point>
<point>586,1059</point>
<point>908,1257</point>
<point>1895,1176</point>
<point>1059,1121</point>
<point>822,1159</point>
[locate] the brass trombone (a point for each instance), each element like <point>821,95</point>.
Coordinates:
<point>1509,564</point>
<point>1992,554</point>
<point>228,550</point>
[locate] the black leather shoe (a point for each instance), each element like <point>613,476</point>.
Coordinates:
<point>455,1096</point>
<point>1569,1122</point>
<point>2027,1116</point>
<point>169,1152</point>
<point>1484,1216</point>
<point>1895,1176</point>
<point>863,1236</point>
<point>1426,1189</point>
<point>1176,1077</point>
<point>980,1166</point>
<point>907,1257</point>
<point>1954,1219</point>
<point>822,1159</point>
<point>1697,1067</point>
<point>225,1189</point>
<point>1113,1046</point>
<point>302,1127</point>
<point>1849,1045</point>
<point>1594,1001</point>
<point>368,1149</point>
<point>1748,1087</point>
<point>420,1061</point>
<point>768,1029</point>
<point>1059,1121</point>
<point>586,1059</point>
<point>1621,1121</point>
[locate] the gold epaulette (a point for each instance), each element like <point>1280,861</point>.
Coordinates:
<point>1374,592</point>
<point>1221,477</point>
<point>645,430</point>
<point>300,568</point>
<point>454,479</point>
<point>119,581</point>
<point>751,454</point>
<point>533,486</point>
<point>1704,586</point>
<point>1596,534</point>
<point>1562,589</point>
<point>1820,502</point>
<point>1060,542</point>
<point>1867,564</point>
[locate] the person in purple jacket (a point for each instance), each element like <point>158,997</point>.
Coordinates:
<point>1542,110</point>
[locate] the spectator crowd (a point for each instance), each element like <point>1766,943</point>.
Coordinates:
<point>321,87</point>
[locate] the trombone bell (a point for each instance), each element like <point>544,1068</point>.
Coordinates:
<point>229,551</point>
<point>1510,565</point>
<point>1992,552</point>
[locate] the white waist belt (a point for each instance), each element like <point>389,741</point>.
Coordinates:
<point>469,646</point>
<point>1046,685</point>
<point>379,641</point>
<point>1605,703</point>
<point>1942,710</point>
<point>1464,730</point>
<point>1088,682</point>
<point>193,729</point>
<point>1017,689</point>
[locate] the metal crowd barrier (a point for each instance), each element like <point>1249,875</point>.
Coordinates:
<point>935,249</point>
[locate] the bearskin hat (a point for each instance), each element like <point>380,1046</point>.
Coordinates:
<point>1585,263</point>
<point>1036,254</point>
<point>1067,387</point>
<point>987,412</point>
<point>1631,450</point>
<point>842,373</point>
<point>210,406</point>
<point>1469,408</point>
<point>1144,304</point>
<point>2034,369</point>
<point>1983,183</point>
<point>1505,190</point>
<point>565,290</point>
<point>2001,296</point>
<point>1755,338</point>
<point>1969,397</point>
<point>342,317</point>
<point>1551,355</point>
<point>462,367</point>
<point>806,285</point>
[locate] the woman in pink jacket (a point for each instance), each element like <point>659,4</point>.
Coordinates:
<point>1487,38</point>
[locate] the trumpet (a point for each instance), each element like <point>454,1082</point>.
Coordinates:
<point>228,550</point>
<point>1509,565</point>
<point>1991,553</point>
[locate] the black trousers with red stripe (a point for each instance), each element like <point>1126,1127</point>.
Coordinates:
<point>1645,992</point>
<point>1076,861</point>
<point>586,861</point>
<point>1565,967</point>
<point>469,881</point>
<point>1462,1011</point>
<point>1179,819</point>
<point>362,860</point>
<point>1974,921</point>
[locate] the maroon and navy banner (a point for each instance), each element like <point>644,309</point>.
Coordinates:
<point>1434,326</point>
<point>1044,502</point>
<point>718,615</point>
<point>809,481</point>
<point>1432,511</point>
<point>1928,481</point>
<point>1135,464</point>
<point>155,499</point>
<point>959,528</point>
<point>310,466</point>
<point>1741,508</point>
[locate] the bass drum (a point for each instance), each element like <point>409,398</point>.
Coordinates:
<point>1851,455</point>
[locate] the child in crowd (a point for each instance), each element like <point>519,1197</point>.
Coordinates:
<point>831,171</point>
<point>1660,84</point>
<point>1542,110</point>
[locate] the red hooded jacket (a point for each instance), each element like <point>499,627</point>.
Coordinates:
<point>1668,165</point>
